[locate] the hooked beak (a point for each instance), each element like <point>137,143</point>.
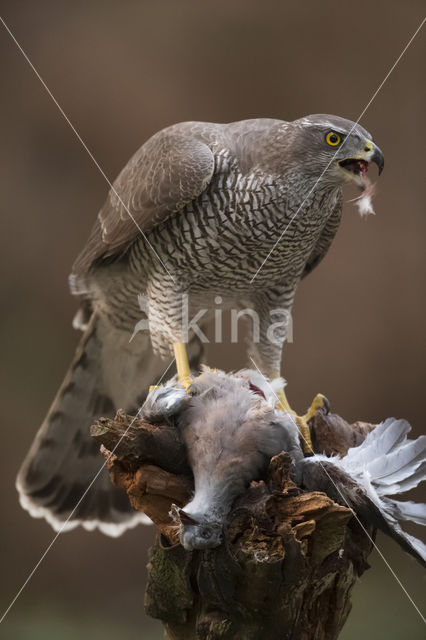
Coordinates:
<point>378,158</point>
<point>356,167</point>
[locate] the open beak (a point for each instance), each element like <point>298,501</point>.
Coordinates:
<point>356,168</point>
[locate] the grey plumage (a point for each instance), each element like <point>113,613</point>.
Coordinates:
<point>195,211</point>
<point>231,432</point>
<point>212,200</point>
<point>164,402</point>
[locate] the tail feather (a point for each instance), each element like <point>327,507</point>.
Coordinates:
<point>385,438</point>
<point>63,460</point>
<point>398,465</point>
<point>64,463</point>
<point>408,543</point>
<point>406,510</point>
<point>409,482</point>
<point>371,474</point>
<point>379,516</point>
<point>417,545</point>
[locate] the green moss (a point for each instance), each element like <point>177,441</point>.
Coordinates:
<point>169,595</point>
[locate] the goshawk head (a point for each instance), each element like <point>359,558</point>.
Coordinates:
<point>336,149</point>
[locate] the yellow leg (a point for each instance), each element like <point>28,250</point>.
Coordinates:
<point>284,403</point>
<point>319,402</point>
<point>182,364</point>
<point>302,421</point>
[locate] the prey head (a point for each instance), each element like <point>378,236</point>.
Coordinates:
<point>196,532</point>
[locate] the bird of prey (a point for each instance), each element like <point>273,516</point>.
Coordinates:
<point>232,429</point>
<point>242,211</point>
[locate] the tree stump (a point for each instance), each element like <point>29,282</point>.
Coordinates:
<point>289,559</point>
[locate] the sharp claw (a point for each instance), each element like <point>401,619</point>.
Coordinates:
<point>186,382</point>
<point>326,405</point>
<point>319,402</point>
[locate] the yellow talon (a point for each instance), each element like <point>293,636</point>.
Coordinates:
<point>305,433</point>
<point>182,364</point>
<point>302,421</point>
<point>283,403</point>
<point>319,402</point>
<point>186,382</point>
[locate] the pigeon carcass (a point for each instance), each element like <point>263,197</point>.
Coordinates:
<point>231,429</point>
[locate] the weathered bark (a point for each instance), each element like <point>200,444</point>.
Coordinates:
<point>289,560</point>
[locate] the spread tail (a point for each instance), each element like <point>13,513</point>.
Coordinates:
<point>106,373</point>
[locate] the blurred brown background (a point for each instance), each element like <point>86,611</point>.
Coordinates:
<point>121,71</point>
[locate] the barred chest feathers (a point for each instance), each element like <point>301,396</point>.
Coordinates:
<point>228,231</point>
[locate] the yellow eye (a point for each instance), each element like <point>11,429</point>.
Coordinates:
<point>333,139</point>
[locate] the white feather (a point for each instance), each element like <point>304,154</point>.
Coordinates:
<point>365,205</point>
<point>384,464</point>
<point>163,401</point>
<point>364,201</point>
<point>382,440</point>
<point>407,510</point>
<point>390,462</point>
<point>411,482</point>
<point>400,464</point>
<point>114,530</point>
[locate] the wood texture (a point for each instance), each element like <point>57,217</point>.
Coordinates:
<point>289,560</point>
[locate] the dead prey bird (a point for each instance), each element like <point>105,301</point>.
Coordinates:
<point>231,430</point>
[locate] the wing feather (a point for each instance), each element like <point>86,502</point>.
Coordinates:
<point>170,170</point>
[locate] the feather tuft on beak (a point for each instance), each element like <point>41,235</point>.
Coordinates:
<point>364,201</point>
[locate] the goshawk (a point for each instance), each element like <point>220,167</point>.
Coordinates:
<point>195,214</point>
